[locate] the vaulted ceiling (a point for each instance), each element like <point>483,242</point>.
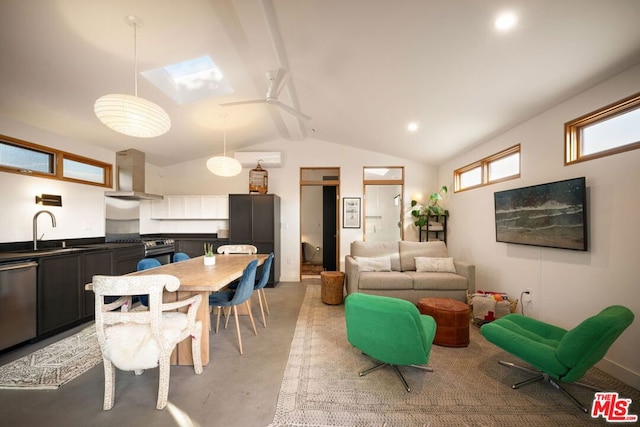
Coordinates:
<point>362,69</point>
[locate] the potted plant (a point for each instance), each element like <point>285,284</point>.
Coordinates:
<point>421,213</point>
<point>209,258</point>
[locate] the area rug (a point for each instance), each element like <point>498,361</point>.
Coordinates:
<point>468,387</point>
<point>55,365</point>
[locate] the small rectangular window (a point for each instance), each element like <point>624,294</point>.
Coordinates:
<point>471,178</point>
<point>22,157</point>
<point>498,167</point>
<point>504,167</point>
<point>81,171</point>
<point>26,159</point>
<point>609,130</point>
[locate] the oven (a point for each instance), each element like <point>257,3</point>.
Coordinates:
<point>160,249</point>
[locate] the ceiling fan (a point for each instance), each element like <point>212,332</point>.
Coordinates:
<point>277,79</point>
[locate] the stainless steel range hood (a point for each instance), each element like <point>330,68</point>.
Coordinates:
<point>130,167</point>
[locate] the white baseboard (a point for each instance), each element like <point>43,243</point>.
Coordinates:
<point>619,372</point>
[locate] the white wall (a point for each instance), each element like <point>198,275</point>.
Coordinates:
<point>194,178</point>
<point>82,211</point>
<point>568,286</point>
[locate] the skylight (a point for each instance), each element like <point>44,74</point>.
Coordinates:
<point>189,81</point>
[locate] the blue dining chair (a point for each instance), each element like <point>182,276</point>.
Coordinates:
<point>180,256</point>
<point>230,298</point>
<point>145,264</point>
<point>259,287</point>
<point>260,284</point>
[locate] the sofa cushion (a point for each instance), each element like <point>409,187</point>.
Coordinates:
<point>385,280</point>
<point>441,265</point>
<point>376,249</point>
<point>410,250</point>
<point>381,263</point>
<point>441,281</point>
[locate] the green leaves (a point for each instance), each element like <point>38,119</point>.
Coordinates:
<point>431,209</point>
<point>208,249</point>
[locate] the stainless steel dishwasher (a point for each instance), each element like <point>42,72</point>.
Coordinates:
<point>18,282</point>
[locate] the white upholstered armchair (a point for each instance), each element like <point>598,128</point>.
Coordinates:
<point>138,340</point>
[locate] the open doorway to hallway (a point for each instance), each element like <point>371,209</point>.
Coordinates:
<point>319,226</point>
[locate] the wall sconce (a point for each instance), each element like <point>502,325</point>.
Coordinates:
<point>49,200</point>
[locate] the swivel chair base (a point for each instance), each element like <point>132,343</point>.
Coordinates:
<point>395,367</point>
<point>542,376</point>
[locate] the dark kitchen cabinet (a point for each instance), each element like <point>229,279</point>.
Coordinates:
<point>58,296</point>
<point>254,219</point>
<point>195,247</point>
<point>98,262</point>
<point>62,300</point>
<point>125,260</point>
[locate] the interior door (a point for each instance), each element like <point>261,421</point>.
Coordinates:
<point>329,227</point>
<point>319,226</point>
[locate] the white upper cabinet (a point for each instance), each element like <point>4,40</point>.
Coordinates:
<point>191,207</point>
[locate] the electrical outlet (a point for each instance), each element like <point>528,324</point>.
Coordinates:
<point>527,296</point>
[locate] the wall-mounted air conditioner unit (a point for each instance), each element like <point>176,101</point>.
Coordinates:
<point>268,159</point>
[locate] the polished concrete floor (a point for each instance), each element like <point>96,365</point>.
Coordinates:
<point>233,390</point>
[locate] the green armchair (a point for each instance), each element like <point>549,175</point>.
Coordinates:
<point>390,330</point>
<point>557,354</point>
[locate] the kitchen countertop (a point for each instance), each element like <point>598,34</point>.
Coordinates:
<point>14,252</point>
<point>30,254</point>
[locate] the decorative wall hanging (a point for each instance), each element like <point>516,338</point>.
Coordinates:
<point>351,212</point>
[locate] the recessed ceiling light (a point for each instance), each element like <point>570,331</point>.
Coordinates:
<point>412,127</point>
<point>506,21</point>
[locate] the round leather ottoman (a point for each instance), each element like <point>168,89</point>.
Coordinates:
<point>332,283</point>
<point>452,320</point>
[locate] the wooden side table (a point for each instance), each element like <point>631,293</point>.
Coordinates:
<point>332,284</point>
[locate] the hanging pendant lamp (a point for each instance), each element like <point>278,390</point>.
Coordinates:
<point>130,114</point>
<point>223,165</point>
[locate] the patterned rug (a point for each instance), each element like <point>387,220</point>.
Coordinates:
<point>55,365</point>
<point>321,386</point>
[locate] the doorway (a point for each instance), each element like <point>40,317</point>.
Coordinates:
<point>319,231</point>
<point>383,215</point>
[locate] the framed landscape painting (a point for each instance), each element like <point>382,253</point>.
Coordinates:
<point>552,215</point>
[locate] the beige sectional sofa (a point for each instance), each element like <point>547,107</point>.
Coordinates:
<point>389,269</point>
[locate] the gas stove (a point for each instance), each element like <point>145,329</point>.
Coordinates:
<point>158,247</point>
<point>152,247</point>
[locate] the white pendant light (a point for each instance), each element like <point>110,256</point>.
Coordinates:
<point>130,114</point>
<point>223,165</point>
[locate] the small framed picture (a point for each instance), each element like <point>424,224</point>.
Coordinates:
<point>351,212</point>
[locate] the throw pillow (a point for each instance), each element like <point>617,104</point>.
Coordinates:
<point>382,263</point>
<point>440,265</point>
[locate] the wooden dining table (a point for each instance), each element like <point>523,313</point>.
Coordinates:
<point>197,278</point>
